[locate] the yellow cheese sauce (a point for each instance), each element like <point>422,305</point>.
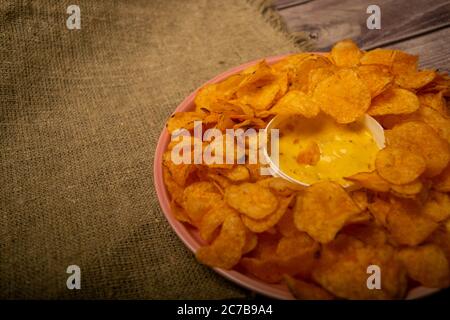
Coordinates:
<point>344,149</point>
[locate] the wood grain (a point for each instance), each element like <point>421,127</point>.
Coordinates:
<point>328,21</point>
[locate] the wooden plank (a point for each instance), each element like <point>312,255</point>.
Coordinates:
<point>433,49</point>
<point>328,21</point>
<point>283,4</point>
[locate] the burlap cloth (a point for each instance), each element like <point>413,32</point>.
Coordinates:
<point>81,111</point>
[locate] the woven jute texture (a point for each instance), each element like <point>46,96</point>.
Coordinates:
<point>81,112</point>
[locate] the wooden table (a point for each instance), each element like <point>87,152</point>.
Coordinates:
<point>417,26</point>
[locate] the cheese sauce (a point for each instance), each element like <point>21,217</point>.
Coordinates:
<point>344,149</point>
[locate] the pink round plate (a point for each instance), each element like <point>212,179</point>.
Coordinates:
<point>190,235</point>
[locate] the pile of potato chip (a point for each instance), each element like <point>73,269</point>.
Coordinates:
<point>320,240</point>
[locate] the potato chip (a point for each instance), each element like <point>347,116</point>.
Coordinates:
<point>420,138</point>
<point>346,53</point>
<point>323,209</point>
<point>404,62</point>
<point>378,56</point>
<point>318,75</point>
<point>437,206</point>
<point>238,173</point>
<point>213,219</point>
<point>360,218</point>
<point>306,291</point>
<point>295,103</point>
<point>415,79</point>
<point>369,233</point>
<point>199,198</point>
<point>179,172</point>
<point>183,120</point>
<point>399,166</point>
<point>407,225</point>
<point>267,269</point>
<point>343,96</point>
<point>427,265</point>
<point>174,189</point>
<point>442,181</point>
<point>264,224</point>
<point>301,71</point>
<point>394,101</point>
<point>376,77</point>
<point>342,270</point>
<point>226,250</point>
<point>251,241</point>
<point>379,210</point>
<point>408,190</point>
<point>259,97</point>
<point>434,101</point>
<point>298,244</point>
<point>370,180</point>
<point>179,213</point>
<point>283,187</point>
<point>310,154</point>
<point>360,198</point>
<point>251,200</point>
<point>286,225</point>
<point>435,120</point>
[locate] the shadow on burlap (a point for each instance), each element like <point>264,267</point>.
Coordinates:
<point>80,115</point>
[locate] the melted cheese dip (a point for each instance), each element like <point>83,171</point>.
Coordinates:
<point>344,149</point>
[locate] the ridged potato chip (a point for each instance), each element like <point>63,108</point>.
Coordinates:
<point>342,270</point>
<point>376,77</point>
<point>343,96</point>
<point>399,166</point>
<point>437,206</point>
<point>420,138</point>
<point>394,101</point>
<point>295,102</point>
<point>442,181</point>
<point>345,53</point>
<point>251,200</point>
<point>226,250</point>
<point>199,198</point>
<point>427,265</point>
<point>264,224</point>
<point>322,210</point>
<point>370,180</point>
<point>407,225</point>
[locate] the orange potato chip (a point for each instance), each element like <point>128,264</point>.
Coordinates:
<point>408,190</point>
<point>251,241</point>
<point>369,233</point>
<point>345,53</point>
<point>306,291</point>
<point>286,225</point>
<point>178,172</point>
<point>199,198</point>
<point>376,77</point>
<point>174,189</point>
<point>437,206</point>
<point>394,101</point>
<point>407,225</point>
<point>379,210</point>
<point>442,181</point>
<point>226,250</point>
<point>399,166</point>
<point>296,245</point>
<point>426,264</point>
<point>370,180</point>
<point>238,173</point>
<point>323,209</point>
<point>362,217</point>
<point>213,219</point>
<point>267,269</point>
<point>183,120</point>
<point>360,198</point>
<point>310,154</point>
<point>251,200</point>
<point>264,224</point>
<point>343,96</point>
<point>342,270</point>
<point>295,103</point>
<point>282,187</point>
<point>404,62</point>
<point>420,138</point>
<point>302,70</point>
<point>415,79</point>
<point>434,101</point>
<point>379,56</point>
<point>259,97</point>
